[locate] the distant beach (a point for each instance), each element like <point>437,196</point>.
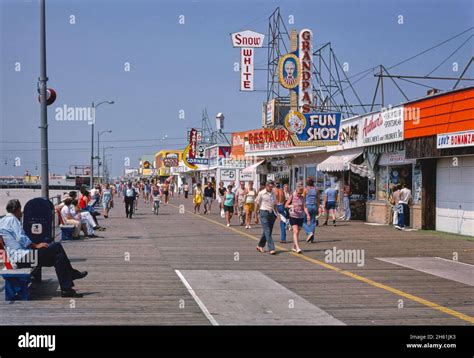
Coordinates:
<point>23,195</point>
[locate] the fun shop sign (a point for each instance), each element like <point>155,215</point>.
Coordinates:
<point>247,41</point>
<point>313,129</point>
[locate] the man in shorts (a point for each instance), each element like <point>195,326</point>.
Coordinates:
<point>209,195</point>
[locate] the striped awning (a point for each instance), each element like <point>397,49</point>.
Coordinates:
<point>339,161</point>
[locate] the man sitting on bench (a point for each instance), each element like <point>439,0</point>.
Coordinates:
<point>18,244</point>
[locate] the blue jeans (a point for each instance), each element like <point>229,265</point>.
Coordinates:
<point>347,208</point>
<point>281,210</point>
<point>311,226</point>
<point>401,216</point>
<point>267,219</point>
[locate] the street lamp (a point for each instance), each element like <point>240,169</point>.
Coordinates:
<point>98,149</point>
<point>103,154</point>
<point>94,106</point>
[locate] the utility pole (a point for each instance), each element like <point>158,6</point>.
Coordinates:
<point>92,147</point>
<point>43,79</point>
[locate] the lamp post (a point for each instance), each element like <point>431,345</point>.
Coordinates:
<point>103,153</point>
<point>43,79</point>
<point>98,150</point>
<point>94,106</point>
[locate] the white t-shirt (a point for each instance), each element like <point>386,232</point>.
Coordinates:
<point>405,196</point>
<point>65,212</point>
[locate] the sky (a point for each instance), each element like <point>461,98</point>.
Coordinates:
<point>189,66</point>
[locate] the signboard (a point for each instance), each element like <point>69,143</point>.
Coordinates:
<point>204,161</point>
<point>306,59</point>
<point>270,113</point>
<point>350,135</point>
<point>192,143</point>
<point>455,140</point>
<point>289,71</point>
<point>247,41</point>
<point>245,176</point>
<point>246,69</point>
<point>313,129</point>
<point>200,151</point>
<point>170,162</point>
<point>146,164</point>
<point>267,139</point>
<point>383,127</point>
<point>228,174</point>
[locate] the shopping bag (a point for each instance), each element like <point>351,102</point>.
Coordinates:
<point>222,213</point>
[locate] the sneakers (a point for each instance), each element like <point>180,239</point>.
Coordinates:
<point>228,225</point>
<point>248,227</point>
<point>310,237</point>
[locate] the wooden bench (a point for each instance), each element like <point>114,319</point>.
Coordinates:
<point>17,281</point>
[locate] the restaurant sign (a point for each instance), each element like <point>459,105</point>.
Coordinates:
<point>267,139</point>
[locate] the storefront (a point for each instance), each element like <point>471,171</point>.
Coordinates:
<point>442,142</point>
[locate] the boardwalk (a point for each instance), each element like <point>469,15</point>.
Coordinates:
<point>182,269</point>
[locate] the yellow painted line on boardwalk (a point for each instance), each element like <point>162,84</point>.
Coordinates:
<point>355,276</point>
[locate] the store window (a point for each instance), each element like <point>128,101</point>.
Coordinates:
<point>310,172</point>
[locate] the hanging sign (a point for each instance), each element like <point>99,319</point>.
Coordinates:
<point>289,71</point>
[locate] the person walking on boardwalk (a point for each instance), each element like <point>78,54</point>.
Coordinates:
<point>267,209</point>
<point>330,200</point>
<point>166,191</point>
<point>221,194</point>
<point>240,195</point>
<point>209,195</point>
<point>197,200</point>
<point>249,205</point>
<point>297,205</point>
<point>230,204</point>
<point>280,198</point>
<point>311,209</point>
<point>107,198</point>
<point>186,190</point>
<point>129,197</point>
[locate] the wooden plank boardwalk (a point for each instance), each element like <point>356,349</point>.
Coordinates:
<point>145,289</point>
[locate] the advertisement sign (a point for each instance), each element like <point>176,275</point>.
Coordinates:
<point>247,41</point>
<point>228,174</point>
<point>192,143</point>
<point>246,69</point>
<point>306,60</point>
<point>170,162</point>
<point>203,161</point>
<point>245,176</point>
<point>455,140</point>
<point>383,127</point>
<point>313,129</point>
<point>270,113</point>
<point>350,135</point>
<point>289,71</point>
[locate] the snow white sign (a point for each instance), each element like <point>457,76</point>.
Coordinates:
<point>313,129</point>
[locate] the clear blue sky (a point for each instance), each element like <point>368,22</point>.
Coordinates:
<point>188,67</point>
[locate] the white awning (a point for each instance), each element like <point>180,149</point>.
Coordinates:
<point>339,161</point>
<point>362,169</point>
<point>251,168</point>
